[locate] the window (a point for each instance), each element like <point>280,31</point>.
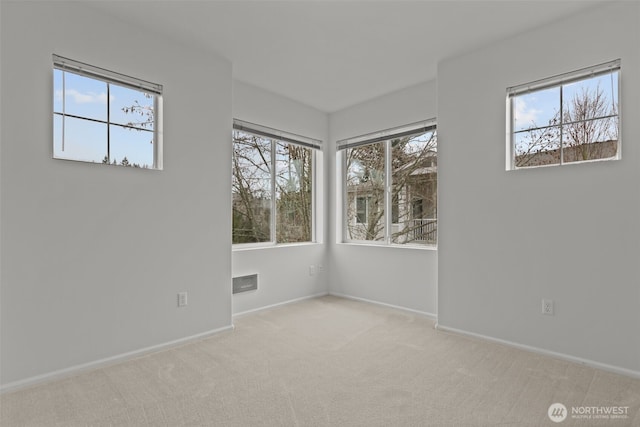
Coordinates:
<point>362,209</point>
<point>565,119</point>
<point>392,171</point>
<point>273,181</point>
<point>104,117</point>
<point>416,208</point>
<point>365,185</point>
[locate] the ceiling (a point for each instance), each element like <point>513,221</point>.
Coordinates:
<point>334,54</point>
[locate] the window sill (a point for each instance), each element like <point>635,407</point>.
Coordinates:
<point>392,246</point>
<point>581,162</point>
<point>259,246</point>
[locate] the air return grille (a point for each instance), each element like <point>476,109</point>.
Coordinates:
<point>245,283</point>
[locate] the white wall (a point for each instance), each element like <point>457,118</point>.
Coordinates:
<point>93,256</point>
<point>283,271</point>
<point>405,277</point>
<point>571,234</point>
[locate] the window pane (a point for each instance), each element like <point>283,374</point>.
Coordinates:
<point>590,140</point>
<point>84,140</point>
<point>361,209</point>
<point>131,147</point>
<point>395,210</point>
<point>537,147</point>
<point>251,190</point>
<point>57,134</point>
<point>131,107</point>
<point>590,98</point>
<point>365,179</point>
<point>84,97</point>
<point>293,193</point>
<point>414,189</point>
<point>536,109</point>
<point>57,91</point>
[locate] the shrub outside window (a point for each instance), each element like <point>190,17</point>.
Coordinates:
<point>272,186</point>
<point>565,119</point>
<point>391,171</point>
<point>100,116</point>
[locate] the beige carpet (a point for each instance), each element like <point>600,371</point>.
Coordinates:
<point>327,362</point>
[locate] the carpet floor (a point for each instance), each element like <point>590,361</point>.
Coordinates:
<point>328,362</point>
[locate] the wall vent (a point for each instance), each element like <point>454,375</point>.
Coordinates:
<point>245,283</point>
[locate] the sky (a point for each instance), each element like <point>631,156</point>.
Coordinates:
<point>535,109</point>
<point>86,140</point>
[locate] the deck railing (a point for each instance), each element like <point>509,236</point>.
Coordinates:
<point>425,230</point>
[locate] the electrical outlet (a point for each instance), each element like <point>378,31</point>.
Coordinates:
<point>320,269</point>
<point>547,307</point>
<point>312,270</point>
<point>182,299</point>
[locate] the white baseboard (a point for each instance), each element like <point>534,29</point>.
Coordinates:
<point>398,307</point>
<point>291,301</point>
<point>101,363</point>
<point>579,360</point>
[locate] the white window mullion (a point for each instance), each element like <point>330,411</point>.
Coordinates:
<point>314,193</point>
<point>387,192</point>
<point>511,150</point>
<point>345,198</point>
<point>64,105</point>
<point>108,124</point>
<point>157,133</point>
<point>273,191</point>
<point>561,127</point>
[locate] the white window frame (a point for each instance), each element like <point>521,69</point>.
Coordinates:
<point>276,136</point>
<point>553,82</point>
<point>112,77</point>
<point>385,137</point>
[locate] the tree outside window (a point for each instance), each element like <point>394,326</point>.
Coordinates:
<point>272,189</point>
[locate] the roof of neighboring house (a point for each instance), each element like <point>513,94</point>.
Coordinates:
<point>424,170</point>
<point>595,150</point>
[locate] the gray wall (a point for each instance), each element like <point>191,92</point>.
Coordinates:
<point>509,239</point>
<point>93,256</point>
<point>400,276</point>
<point>283,271</point>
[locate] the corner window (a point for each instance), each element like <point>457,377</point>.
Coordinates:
<point>565,119</point>
<point>273,185</point>
<point>100,116</point>
<point>391,171</point>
